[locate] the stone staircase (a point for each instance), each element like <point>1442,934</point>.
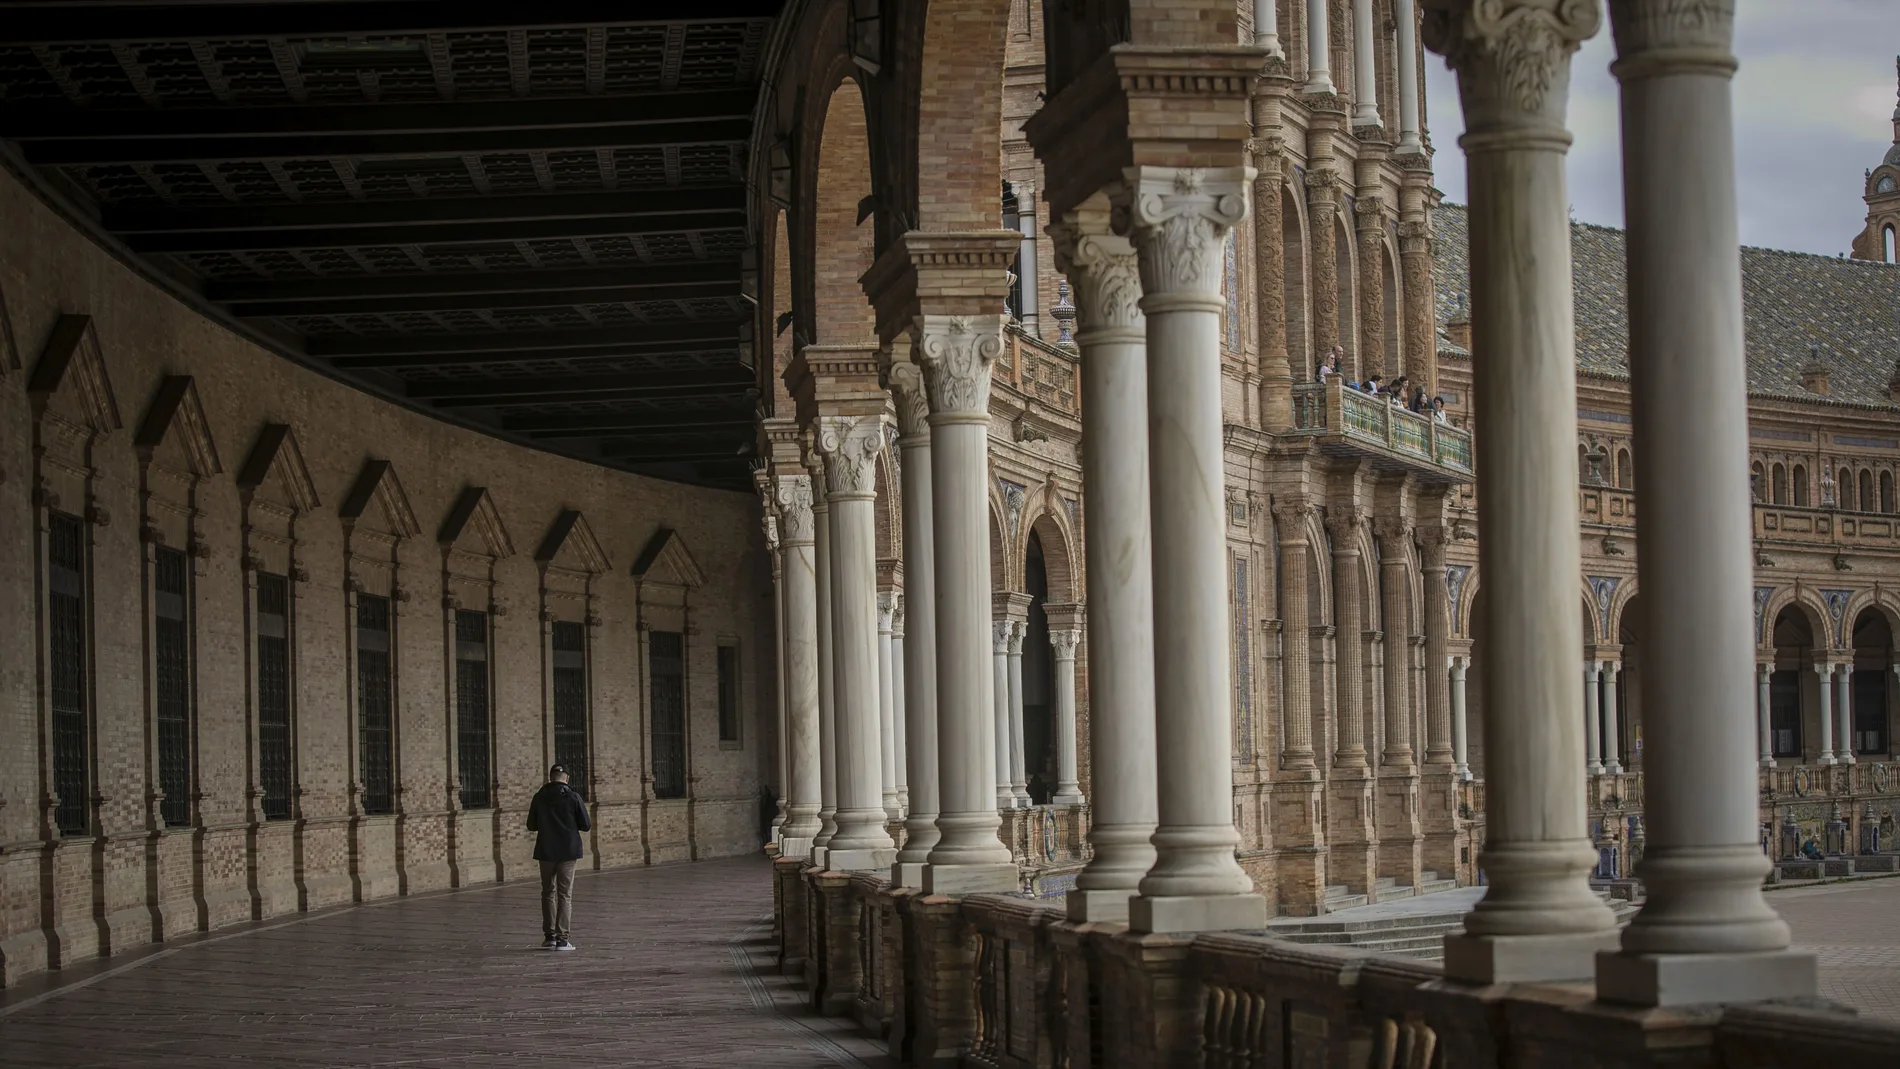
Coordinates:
<point>1384,889</point>
<point>1414,933</point>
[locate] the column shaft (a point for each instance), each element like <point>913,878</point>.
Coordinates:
<point>1279,369</point>
<point>1612,721</point>
<point>1409,142</point>
<point>1266,27</point>
<point>1592,721</point>
<point>798,572</point>
<point>887,706</point>
<point>1706,933</point>
<point>827,674</point>
<point>897,712</point>
<point>1365,91</point>
<point>1319,45</point>
<point>1764,713</point>
<point>957,353</point>
<point>1394,587</point>
<point>1068,790</point>
<point>1349,624</point>
<point>1844,710</point>
<point>920,625</point>
<point>1296,655</point>
<point>1116,538</point>
<point>1539,919</point>
<point>1824,686</point>
<point>1461,752</point>
<point>1177,219</point>
<point>1438,743</point>
<point>1018,757</point>
<point>999,679</point>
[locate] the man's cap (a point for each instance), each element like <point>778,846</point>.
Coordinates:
<point>557,770</point>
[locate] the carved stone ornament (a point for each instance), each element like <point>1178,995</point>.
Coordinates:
<point>1178,218</point>
<point>98,515</point>
<point>451,602</point>
<point>851,446</point>
<point>1509,54</point>
<point>1000,631</point>
<point>198,549</point>
<point>793,497</point>
<point>1107,277</point>
<point>1344,523</point>
<point>957,353</point>
<point>886,610</point>
<point>1702,25</point>
<point>1065,643</point>
<point>910,398</point>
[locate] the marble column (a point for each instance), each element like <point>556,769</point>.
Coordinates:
<point>1000,632</point>
<point>1764,712</point>
<point>1824,687</point>
<point>897,709</point>
<point>1592,719</point>
<point>1612,721</point>
<point>1705,934</point>
<point>1068,788</point>
<point>1409,141</point>
<point>1319,49</point>
<point>1266,28</point>
<point>1538,920</point>
<point>798,572</point>
<point>1365,88</point>
<point>1112,337</point>
<point>1844,712</point>
<point>920,623</point>
<point>887,706</point>
<point>956,353</point>
<point>827,674</point>
<point>1461,752</point>
<point>850,445</point>
<point>1018,770</point>
<point>780,729</point>
<point>1177,219</point>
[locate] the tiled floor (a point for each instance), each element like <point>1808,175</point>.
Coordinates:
<point>1855,930</point>
<point>673,970</point>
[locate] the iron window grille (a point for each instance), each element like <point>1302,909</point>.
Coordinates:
<point>729,694</point>
<point>570,702</point>
<point>172,676</point>
<point>374,728</point>
<point>1784,712</point>
<point>66,612</point>
<point>667,683</point>
<point>1870,711</point>
<point>273,694</point>
<point>471,707</point>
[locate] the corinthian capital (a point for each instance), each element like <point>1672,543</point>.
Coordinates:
<point>1065,643</point>
<point>1512,57</point>
<point>1177,218</point>
<point>1692,31</point>
<point>910,398</point>
<point>792,495</point>
<point>850,445</point>
<point>1344,523</point>
<point>1102,266</point>
<point>956,353</point>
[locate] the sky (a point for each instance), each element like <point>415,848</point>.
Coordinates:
<point>1814,101</point>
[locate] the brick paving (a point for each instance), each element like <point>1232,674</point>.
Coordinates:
<point>674,969</point>
<point>1854,929</point>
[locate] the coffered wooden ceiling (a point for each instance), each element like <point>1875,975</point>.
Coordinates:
<point>524,216</point>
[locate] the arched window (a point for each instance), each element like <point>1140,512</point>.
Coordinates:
<point>1844,490</point>
<point>1866,490</point>
<point>1889,249</point>
<point>1779,485</point>
<point>1800,486</point>
<point>1886,492</point>
<point>1757,477</point>
<point>1625,473</point>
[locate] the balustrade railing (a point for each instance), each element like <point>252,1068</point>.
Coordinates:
<point>1333,409</point>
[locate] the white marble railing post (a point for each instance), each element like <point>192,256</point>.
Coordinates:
<point>1612,721</point>
<point>1705,934</point>
<point>798,574</point>
<point>1538,920</point>
<point>1409,141</point>
<point>1459,740</point>
<point>1266,27</point>
<point>1177,219</point>
<point>1824,677</point>
<point>1844,712</point>
<point>1018,757</point>
<point>1000,631</point>
<point>1365,87</point>
<point>827,674</point>
<point>1592,720</point>
<point>1112,337</point>
<point>850,446</point>
<point>887,705</point>
<point>920,625</point>
<point>1319,49</point>
<point>1764,711</point>
<point>956,353</point>
<point>1068,790</point>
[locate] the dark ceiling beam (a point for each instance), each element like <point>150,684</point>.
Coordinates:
<point>705,350</point>
<point>529,394</point>
<point>525,387</point>
<point>662,455</point>
<point>52,122</point>
<point>130,150</point>
<point>423,211</point>
<point>431,233</point>
<point>688,291</point>
<point>314,290</point>
<point>449,347</point>
<point>41,21</point>
<point>543,427</point>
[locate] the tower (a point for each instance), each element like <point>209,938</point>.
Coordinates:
<point>1881,239</point>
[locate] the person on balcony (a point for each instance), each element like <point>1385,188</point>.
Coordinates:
<point>1420,404</point>
<point>1374,385</point>
<point>1328,366</point>
<point>1438,411</point>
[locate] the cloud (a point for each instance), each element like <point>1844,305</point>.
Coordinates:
<point>1813,99</point>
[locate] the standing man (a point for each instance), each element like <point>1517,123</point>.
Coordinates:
<point>557,817</point>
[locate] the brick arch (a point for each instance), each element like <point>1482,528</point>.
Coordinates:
<point>775,304</point>
<point>890,531</point>
<point>1804,600</point>
<point>945,102</point>
<point>1000,571</point>
<point>839,250</point>
<point>1058,556</point>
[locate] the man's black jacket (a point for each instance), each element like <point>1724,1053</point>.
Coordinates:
<point>558,816</point>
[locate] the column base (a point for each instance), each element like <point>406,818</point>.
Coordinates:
<point>907,874</point>
<point>1099,907</point>
<point>818,856</point>
<point>1514,959</point>
<point>860,860</point>
<point>1683,979</point>
<point>1067,794</point>
<point>971,879</point>
<point>794,847</point>
<point>1196,913</point>
<point>1612,768</point>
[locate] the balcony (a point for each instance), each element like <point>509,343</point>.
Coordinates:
<point>1349,422</point>
<point>1826,527</point>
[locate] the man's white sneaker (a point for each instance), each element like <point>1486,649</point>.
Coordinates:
<point>562,944</point>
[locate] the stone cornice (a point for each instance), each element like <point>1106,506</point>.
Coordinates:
<point>940,273</point>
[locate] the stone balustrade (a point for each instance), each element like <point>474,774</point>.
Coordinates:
<point>1826,527</point>
<point>1346,418</point>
